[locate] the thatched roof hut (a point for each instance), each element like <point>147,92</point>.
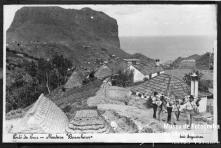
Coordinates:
<point>43,117</point>
<point>88,121</point>
<point>103,72</point>
<point>75,80</point>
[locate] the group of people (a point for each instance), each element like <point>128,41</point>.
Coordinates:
<point>174,106</point>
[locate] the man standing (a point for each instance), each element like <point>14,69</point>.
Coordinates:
<point>169,110</point>
<point>176,109</point>
<point>190,107</point>
<point>160,105</point>
<point>170,105</point>
<point>154,104</point>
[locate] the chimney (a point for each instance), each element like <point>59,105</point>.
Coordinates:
<point>138,62</point>
<point>194,85</point>
<point>157,62</point>
<point>196,88</point>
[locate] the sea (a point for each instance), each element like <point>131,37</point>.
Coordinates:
<point>167,48</point>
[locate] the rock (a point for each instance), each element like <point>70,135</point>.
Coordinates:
<point>66,31</point>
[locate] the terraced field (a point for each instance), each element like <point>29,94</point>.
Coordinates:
<point>207,74</point>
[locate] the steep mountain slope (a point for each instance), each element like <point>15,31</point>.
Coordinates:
<point>202,61</point>
<point>143,58</point>
<point>78,34</point>
<point>194,56</point>
<point>205,61</point>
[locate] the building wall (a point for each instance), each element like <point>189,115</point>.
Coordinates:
<point>153,75</point>
<point>138,76</point>
<point>203,104</point>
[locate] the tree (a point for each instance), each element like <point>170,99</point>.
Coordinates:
<point>62,64</point>
<point>44,69</point>
<point>123,78</point>
<point>35,78</point>
<point>203,85</point>
<point>31,68</point>
<point>187,77</point>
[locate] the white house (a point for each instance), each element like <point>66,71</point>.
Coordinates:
<point>143,71</point>
<point>138,75</point>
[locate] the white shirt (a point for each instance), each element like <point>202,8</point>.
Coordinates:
<point>154,100</point>
<point>189,105</point>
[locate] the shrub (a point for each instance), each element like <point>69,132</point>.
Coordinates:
<point>123,79</point>
<point>38,77</point>
<point>187,77</point>
<point>203,84</point>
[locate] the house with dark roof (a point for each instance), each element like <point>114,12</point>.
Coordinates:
<point>142,70</point>
<point>170,85</point>
<point>163,84</point>
<point>75,80</point>
<point>103,72</point>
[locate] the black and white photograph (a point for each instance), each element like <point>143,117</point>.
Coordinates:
<point>123,73</point>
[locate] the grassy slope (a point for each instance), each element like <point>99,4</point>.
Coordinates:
<point>75,98</point>
<point>207,75</point>
<point>202,61</point>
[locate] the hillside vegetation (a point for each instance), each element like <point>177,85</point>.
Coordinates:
<point>202,62</point>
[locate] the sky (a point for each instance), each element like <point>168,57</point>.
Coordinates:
<point>149,20</point>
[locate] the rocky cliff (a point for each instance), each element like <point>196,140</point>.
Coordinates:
<point>78,34</point>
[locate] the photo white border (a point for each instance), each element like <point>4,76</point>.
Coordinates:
<point>109,138</point>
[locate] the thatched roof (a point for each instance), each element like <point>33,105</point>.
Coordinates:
<point>75,80</point>
<point>43,117</point>
<point>103,72</point>
<point>147,69</point>
<point>117,65</point>
<point>165,84</point>
<point>88,121</point>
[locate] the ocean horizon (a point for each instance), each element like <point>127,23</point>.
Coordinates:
<point>167,48</point>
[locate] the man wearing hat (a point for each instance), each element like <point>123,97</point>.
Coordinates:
<point>190,108</point>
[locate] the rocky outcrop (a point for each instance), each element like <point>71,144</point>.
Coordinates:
<point>42,31</point>
<point>55,24</point>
